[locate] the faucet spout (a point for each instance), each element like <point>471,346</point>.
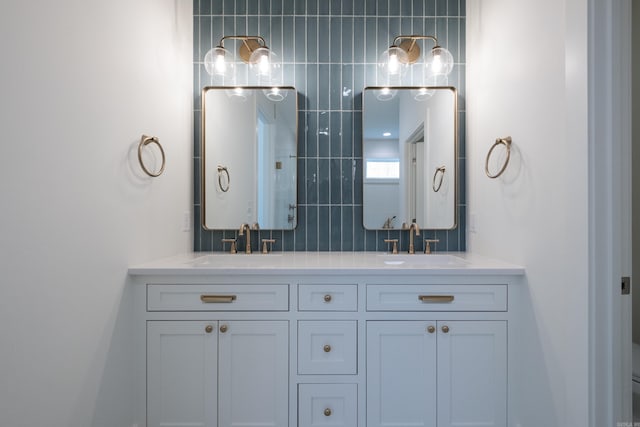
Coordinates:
<point>413,228</point>
<point>243,227</point>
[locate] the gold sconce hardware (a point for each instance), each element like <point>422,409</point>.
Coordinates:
<point>506,141</point>
<point>394,248</point>
<point>232,249</point>
<point>144,141</point>
<point>327,298</point>
<point>427,245</point>
<point>431,329</point>
<point>438,299</point>
<point>224,328</point>
<point>436,187</point>
<point>223,171</point>
<point>217,299</point>
<point>445,329</point>
<point>253,51</point>
<point>264,245</point>
<point>327,412</point>
<point>208,329</point>
<point>394,61</point>
<point>326,348</point>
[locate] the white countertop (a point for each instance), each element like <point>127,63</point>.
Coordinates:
<point>441,263</point>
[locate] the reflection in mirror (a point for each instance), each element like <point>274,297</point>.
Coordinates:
<point>249,157</point>
<point>410,153</point>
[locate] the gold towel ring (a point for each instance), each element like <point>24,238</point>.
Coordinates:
<point>146,140</point>
<point>435,187</point>
<point>221,170</point>
<point>507,143</point>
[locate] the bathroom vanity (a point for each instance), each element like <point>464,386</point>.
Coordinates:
<point>319,339</point>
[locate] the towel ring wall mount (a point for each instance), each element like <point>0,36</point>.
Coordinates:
<point>144,141</point>
<point>506,141</point>
<point>436,187</point>
<point>223,170</point>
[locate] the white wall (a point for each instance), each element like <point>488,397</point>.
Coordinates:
<point>636,170</point>
<point>526,77</point>
<point>80,82</point>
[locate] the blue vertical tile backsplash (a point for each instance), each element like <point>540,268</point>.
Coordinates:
<point>329,50</point>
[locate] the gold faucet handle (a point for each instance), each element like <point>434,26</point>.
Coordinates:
<point>233,249</point>
<point>427,245</point>
<point>264,245</point>
<point>394,249</point>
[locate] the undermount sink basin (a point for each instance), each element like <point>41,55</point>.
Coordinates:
<point>227,259</point>
<point>432,260</point>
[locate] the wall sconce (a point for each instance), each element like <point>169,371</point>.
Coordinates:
<point>253,50</point>
<point>394,61</point>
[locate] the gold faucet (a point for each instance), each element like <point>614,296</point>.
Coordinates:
<point>413,227</point>
<point>245,226</point>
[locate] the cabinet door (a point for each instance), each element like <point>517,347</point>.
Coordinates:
<point>472,374</point>
<point>181,374</point>
<point>401,374</point>
<point>253,374</point>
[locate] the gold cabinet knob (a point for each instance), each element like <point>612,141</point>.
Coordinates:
<point>327,412</point>
<point>431,329</point>
<point>327,348</point>
<point>327,298</point>
<point>445,329</point>
<point>223,328</point>
<point>208,329</point>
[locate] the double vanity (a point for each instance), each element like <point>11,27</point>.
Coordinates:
<point>324,339</point>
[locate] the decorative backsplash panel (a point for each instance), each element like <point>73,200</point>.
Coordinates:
<point>329,50</point>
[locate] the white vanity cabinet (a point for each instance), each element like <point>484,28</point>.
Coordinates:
<point>325,341</point>
<point>217,372</point>
<point>433,373</point>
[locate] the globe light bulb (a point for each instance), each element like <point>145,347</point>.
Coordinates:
<point>439,62</point>
<point>266,66</point>
<point>392,65</point>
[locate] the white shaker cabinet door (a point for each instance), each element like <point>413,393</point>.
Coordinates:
<point>181,373</point>
<point>253,373</point>
<point>401,374</point>
<point>472,373</point>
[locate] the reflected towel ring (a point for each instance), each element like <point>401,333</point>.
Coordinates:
<point>221,170</point>
<point>436,187</point>
<point>507,143</point>
<point>146,140</point>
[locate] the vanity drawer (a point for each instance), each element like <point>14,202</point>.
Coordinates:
<point>436,297</point>
<point>327,347</point>
<point>218,297</point>
<point>334,405</point>
<point>327,297</point>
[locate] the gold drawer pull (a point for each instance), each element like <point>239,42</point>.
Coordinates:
<point>327,298</point>
<point>217,299</point>
<point>208,329</point>
<point>224,328</point>
<point>438,299</point>
<point>431,329</point>
<point>327,348</point>
<point>327,412</point>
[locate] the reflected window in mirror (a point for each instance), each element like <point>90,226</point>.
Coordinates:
<point>410,149</point>
<point>249,157</point>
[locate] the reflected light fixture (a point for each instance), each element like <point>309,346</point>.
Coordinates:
<point>394,61</point>
<point>253,51</point>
